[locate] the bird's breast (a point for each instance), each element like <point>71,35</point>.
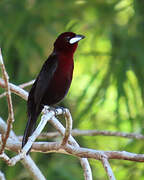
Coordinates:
<point>63,75</point>
<point>61,81</point>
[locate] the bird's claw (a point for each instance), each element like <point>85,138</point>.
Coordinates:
<point>62,109</point>
<point>53,109</point>
<point>47,109</point>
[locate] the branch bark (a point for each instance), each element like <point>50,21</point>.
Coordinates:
<point>15,89</point>
<point>21,86</point>
<point>9,102</point>
<point>108,168</point>
<point>48,147</point>
<point>2,177</point>
<point>78,132</point>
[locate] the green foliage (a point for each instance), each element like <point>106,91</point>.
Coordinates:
<point>107,90</point>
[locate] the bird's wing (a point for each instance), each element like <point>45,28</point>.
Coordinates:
<point>44,77</point>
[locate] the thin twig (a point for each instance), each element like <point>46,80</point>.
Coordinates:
<point>15,89</point>
<point>108,168</point>
<point>9,100</point>
<point>68,127</point>
<point>78,132</point>
<point>3,128</point>
<point>27,84</point>
<point>3,94</point>
<point>21,86</point>
<point>5,158</point>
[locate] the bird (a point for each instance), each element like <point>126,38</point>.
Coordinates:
<point>53,81</point>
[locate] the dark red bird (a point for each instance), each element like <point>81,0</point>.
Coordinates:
<point>53,81</point>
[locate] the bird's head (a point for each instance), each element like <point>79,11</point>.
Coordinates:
<point>67,42</point>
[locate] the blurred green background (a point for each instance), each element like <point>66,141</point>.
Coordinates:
<point>107,92</point>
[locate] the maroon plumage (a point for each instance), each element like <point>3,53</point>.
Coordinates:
<point>53,81</point>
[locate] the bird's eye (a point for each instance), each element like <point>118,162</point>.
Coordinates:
<point>67,38</point>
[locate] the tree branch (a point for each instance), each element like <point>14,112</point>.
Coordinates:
<point>48,147</point>
<point>27,84</point>
<point>27,161</point>
<point>68,128</point>
<point>21,86</point>
<point>9,101</point>
<point>84,162</point>
<point>108,168</point>
<point>2,177</point>
<point>15,89</point>
<point>78,132</point>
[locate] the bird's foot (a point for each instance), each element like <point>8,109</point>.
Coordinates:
<point>50,108</point>
<point>54,110</point>
<point>45,109</point>
<point>61,108</point>
<point>57,110</point>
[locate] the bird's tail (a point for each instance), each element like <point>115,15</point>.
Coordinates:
<point>30,127</point>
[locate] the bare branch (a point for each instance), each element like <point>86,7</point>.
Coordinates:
<point>96,154</point>
<point>68,126</point>
<point>108,168</point>
<point>15,89</point>
<point>44,119</point>
<point>33,169</point>
<point>84,162</point>
<point>2,177</point>
<point>58,126</point>
<point>48,147</point>
<point>27,161</point>
<point>9,100</point>
<point>3,94</point>
<point>78,132</point>
<point>3,128</point>
<point>5,158</point>
<point>87,169</point>
<point>21,86</point>
<point>27,84</point>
